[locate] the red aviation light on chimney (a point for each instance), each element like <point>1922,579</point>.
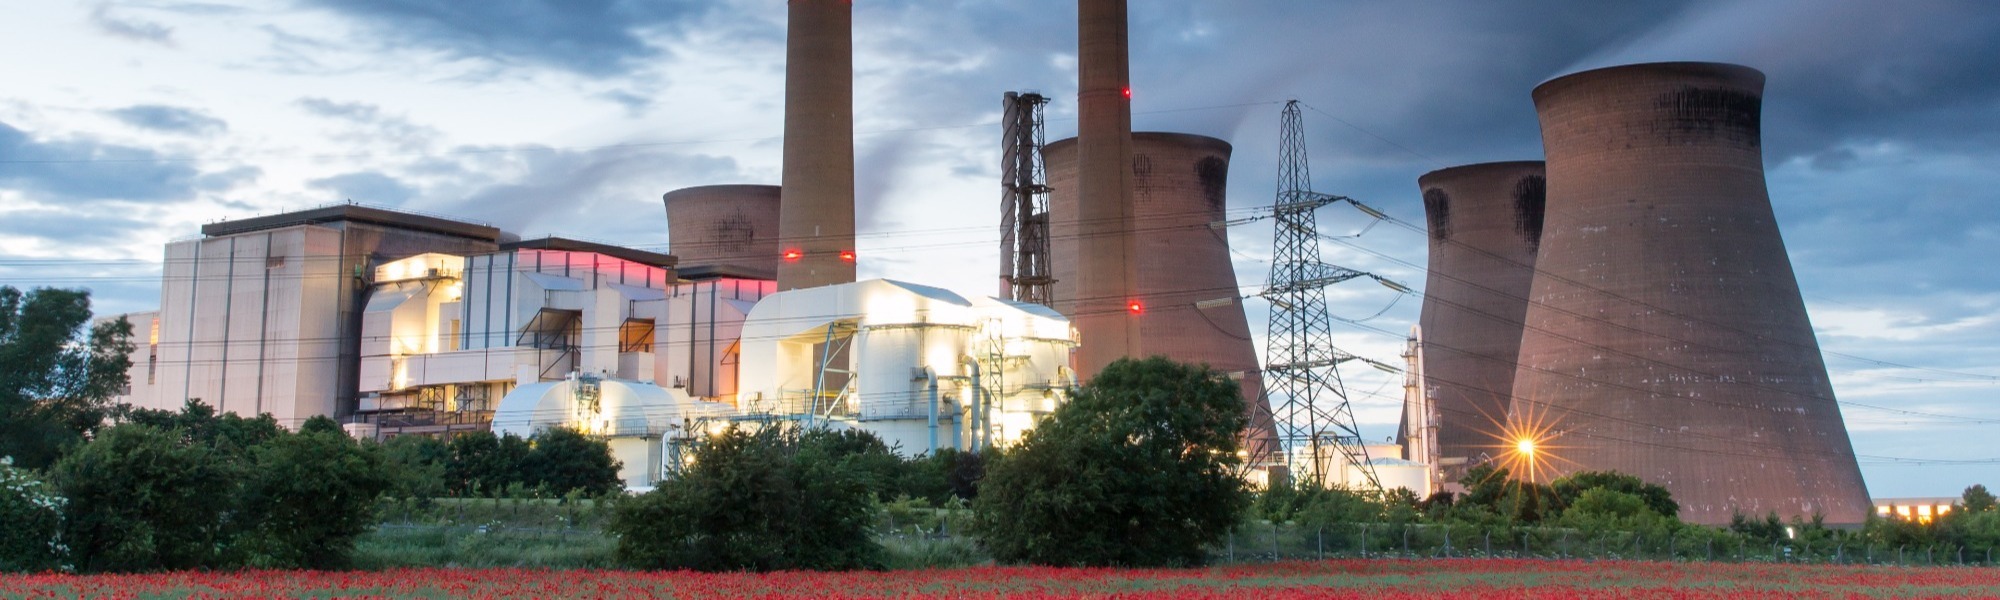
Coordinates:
<point>847,255</point>
<point>1128,93</point>
<point>793,255</point>
<point>1135,307</point>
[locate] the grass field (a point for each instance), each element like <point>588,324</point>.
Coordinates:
<point>1470,578</point>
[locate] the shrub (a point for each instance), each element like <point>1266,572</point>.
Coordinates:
<point>309,497</point>
<point>31,540</point>
<point>758,501</point>
<point>140,500</point>
<point>1137,469</point>
<point>415,465</point>
<point>564,460</point>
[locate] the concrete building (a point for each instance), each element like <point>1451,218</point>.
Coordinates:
<point>263,315</point>
<point>732,228</point>
<point>1665,336</point>
<point>1485,222</point>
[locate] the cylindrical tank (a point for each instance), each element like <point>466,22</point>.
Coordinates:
<point>1665,336</point>
<point>725,226</point>
<point>816,226</point>
<point>1485,221</point>
<point>1186,288</point>
<point>1106,263</point>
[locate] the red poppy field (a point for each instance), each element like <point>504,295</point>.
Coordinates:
<point>1474,578</point>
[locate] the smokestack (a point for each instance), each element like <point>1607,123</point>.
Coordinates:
<point>1106,305</point>
<point>1665,336</point>
<point>1485,222</point>
<point>816,216</point>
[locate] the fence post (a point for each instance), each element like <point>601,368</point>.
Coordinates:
<point>1364,540</point>
<point>1406,538</point>
<point>1322,542</point>
<point>1670,547</point>
<point>1565,545</point>
<point>1447,541</point>
<point>1489,543</point>
<point>1232,545</point>
<point>1275,556</point>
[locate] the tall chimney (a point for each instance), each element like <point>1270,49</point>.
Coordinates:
<point>816,212</point>
<point>1105,305</point>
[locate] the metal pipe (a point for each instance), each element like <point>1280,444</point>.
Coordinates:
<point>930,375</point>
<point>981,428</point>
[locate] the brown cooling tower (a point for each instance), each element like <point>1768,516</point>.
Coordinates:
<point>1105,271</point>
<point>1187,283</point>
<point>1485,221</point>
<point>730,226</point>
<point>1665,336</point>
<point>816,225</point>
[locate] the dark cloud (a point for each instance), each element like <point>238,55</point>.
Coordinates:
<point>366,188</point>
<point>170,119</point>
<point>596,37</point>
<point>130,28</point>
<point>81,169</point>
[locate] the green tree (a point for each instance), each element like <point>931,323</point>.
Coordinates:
<point>1137,469</point>
<point>1570,488</point>
<point>416,466</point>
<point>863,454</point>
<point>483,464</point>
<point>321,424</point>
<point>1610,509</point>
<point>308,498</point>
<point>1976,499</point>
<point>141,500</point>
<point>198,424</point>
<point>56,380</point>
<point>753,501</point>
<point>31,541</point>
<point>565,460</point>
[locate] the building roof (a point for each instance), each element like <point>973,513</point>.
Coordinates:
<point>707,272</point>
<point>665,261</point>
<point>358,214</point>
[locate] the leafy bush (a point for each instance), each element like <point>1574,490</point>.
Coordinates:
<point>307,499</point>
<point>31,541</point>
<point>1137,469</point>
<point>563,461</point>
<point>760,501</point>
<point>416,466</point>
<point>140,500</point>
<point>1570,488</point>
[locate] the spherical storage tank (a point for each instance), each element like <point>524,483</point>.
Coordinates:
<point>1186,289</point>
<point>725,226</point>
<point>1485,222</point>
<point>1665,336</point>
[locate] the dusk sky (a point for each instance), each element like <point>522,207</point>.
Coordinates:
<point>124,125</point>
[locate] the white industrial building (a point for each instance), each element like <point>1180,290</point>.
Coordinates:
<point>402,324</point>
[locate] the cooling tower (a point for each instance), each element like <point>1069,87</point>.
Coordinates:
<point>816,225</point>
<point>1105,271</point>
<point>1186,283</point>
<point>1665,336</point>
<point>1485,221</point>
<point>730,226</point>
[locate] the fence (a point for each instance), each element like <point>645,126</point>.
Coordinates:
<point>1265,541</point>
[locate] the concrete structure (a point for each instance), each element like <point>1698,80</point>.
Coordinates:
<point>731,227</point>
<point>1390,471</point>
<point>1103,265</point>
<point>1665,336</point>
<point>1186,283</point>
<point>933,369</point>
<point>263,315</point>
<point>816,225</point>
<point>1485,222</point>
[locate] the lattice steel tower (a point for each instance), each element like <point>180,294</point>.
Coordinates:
<point>1025,272</point>
<point>1301,378</point>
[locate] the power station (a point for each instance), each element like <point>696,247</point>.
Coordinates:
<point>1625,304</point>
